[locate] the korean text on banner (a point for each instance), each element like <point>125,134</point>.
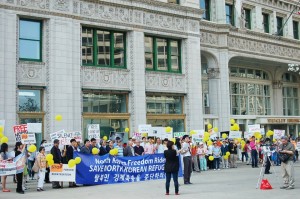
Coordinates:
<point>34,127</point>
<point>19,130</point>
<point>48,146</point>
<point>179,134</point>
<point>7,168</point>
<point>235,134</point>
<point>94,131</point>
<point>278,133</point>
<point>28,138</point>
<point>137,135</point>
<point>62,173</point>
<point>248,135</point>
<point>109,169</point>
<point>253,128</point>
<point>196,139</point>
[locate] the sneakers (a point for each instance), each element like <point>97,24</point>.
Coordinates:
<point>284,187</point>
<point>289,188</point>
<point>218,169</point>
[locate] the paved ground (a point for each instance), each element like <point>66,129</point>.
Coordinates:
<point>237,183</point>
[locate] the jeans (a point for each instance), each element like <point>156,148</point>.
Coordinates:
<point>216,163</point>
<point>203,165</point>
<point>244,154</point>
<point>254,158</point>
<point>175,179</point>
<point>268,164</point>
<point>187,161</point>
<point>30,171</point>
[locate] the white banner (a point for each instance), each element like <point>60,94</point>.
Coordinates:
<point>160,132</point>
<point>34,127</point>
<point>214,135</point>
<point>48,146</point>
<point>235,134</point>
<point>144,128</point>
<point>137,135</point>
<point>62,173</point>
<point>179,134</point>
<point>298,146</point>
<point>28,138</point>
<point>200,133</point>
<point>196,139</point>
<point>7,168</point>
<point>254,128</point>
<point>248,135</point>
<point>65,137</point>
<point>278,133</point>
<point>94,131</point>
<point>262,131</point>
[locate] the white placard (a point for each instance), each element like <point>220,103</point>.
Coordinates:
<point>214,135</point>
<point>2,123</point>
<point>137,135</point>
<point>179,134</point>
<point>196,139</point>
<point>62,174</point>
<point>48,146</point>
<point>200,133</point>
<point>144,128</point>
<point>298,146</point>
<point>7,168</point>
<point>160,132</point>
<point>235,134</point>
<point>262,131</point>
<point>28,138</point>
<point>278,133</point>
<point>94,131</point>
<point>34,127</point>
<point>253,128</point>
<point>248,135</point>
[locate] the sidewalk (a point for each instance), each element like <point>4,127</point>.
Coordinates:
<point>237,183</point>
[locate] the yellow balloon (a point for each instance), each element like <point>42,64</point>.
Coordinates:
<point>243,142</point>
<point>1,129</point>
<point>236,127</point>
<point>168,129</point>
<point>216,129</point>
<point>58,118</point>
<point>211,158</point>
<point>95,151</point>
<point>4,139</point>
<point>225,157</point>
<point>126,130</point>
<point>224,135</point>
<point>209,143</point>
<point>173,140</point>
<point>274,140</point>
<point>228,153</point>
<point>205,139</point>
<point>77,160</point>
<point>50,162</point>
<point>232,128</point>
<point>239,139</point>
<point>104,138</point>
<point>209,126</point>
<point>32,148</point>
<point>192,132</point>
<point>232,121</point>
<point>1,135</point>
<point>49,157</point>
<point>206,134</point>
<point>271,132</point>
<point>71,163</point>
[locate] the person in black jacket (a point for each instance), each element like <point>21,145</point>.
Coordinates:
<point>171,167</point>
<point>19,148</point>
<point>103,148</point>
<point>70,156</point>
<point>57,160</point>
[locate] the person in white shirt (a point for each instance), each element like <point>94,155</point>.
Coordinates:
<point>267,155</point>
<point>144,142</point>
<point>158,146</point>
<point>187,160</point>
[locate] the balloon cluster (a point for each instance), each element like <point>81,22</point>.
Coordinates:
<point>270,133</point>
<point>49,158</point>
<point>114,152</point>
<point>73,162</point>
<point>4,139</point>
<point>226,156</point>
<point>95,151</point>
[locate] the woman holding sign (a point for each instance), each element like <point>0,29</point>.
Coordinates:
<point>171,167</point>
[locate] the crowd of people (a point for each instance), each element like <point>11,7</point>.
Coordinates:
<point>214,154</point>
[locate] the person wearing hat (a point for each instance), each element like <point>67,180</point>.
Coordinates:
<point>187,160</point>
<point>57,160</point>
<point>267,155</point>
<point>287,166</point>
<point>201,151</point>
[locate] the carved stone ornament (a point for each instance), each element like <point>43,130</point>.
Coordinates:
<point>209,38</point>
<point>277,84</point>
<point>61,5</point>
<point>41,4</point>
<point>213,73</point>
<point>31,74</point>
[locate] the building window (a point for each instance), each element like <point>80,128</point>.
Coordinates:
<point>248,73</point>
<point>247,17</point>
<point>108,109</point>
<point>279,26</point>
<point>266,24</point>
<point>229,14</point>
<point>162,54</point>
<point>30,40</point>
<point>205,86</point>
<point>296,29</point>
<point>104,103</point>
<point>165,110</point>
<point>290,101</point>
<point>174,1</point>
<point>205,5</point>
<point>103,48</point>
<point>30,109</point>
<point>250,99</point>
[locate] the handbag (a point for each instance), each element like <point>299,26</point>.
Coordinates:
<point>283,157</point>
<point>35,167</point>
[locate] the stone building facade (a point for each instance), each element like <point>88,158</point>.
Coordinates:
<point>121,63</point>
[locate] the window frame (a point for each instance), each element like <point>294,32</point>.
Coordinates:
<point>266,24</point>
<point>169,55</point>
<point>296,29</point>
<point>279,19</point>
<point>247,18</point>
<point>112,48</point>
<point>40,41</point>
<point>231,16</point>
<point>207,9</point>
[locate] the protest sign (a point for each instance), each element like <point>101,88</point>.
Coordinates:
<point>57,135</point>
<point>278,133</point>
<point>2,123</point>
<point>262,131</point>
<point>179,134</point>
<point>160,132</point>
<point>235,134</point>
<point>200,133</point>
<point>248,135</point>
<point>196,139</point>
<point>214,135</point>
<point>7,168</point>
<point>107,169</point>
<point>20,161</point>
<point>253,128</point>
<point>28,138</point>
<point>62,173</point>
<point>94,132</point>
<point>48,146</point>
<point>77,135</point>
<point>144,128</point>
<point>19,130</point>
<point>298,146</point>
<point>34,127</point>
<point>137,135</point>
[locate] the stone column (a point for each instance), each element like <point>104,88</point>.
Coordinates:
<point>8,87</point>
<point>220,11</point>
<point>257,19</point>
<point>136,65</point>
<point>192,70</point>
<point>214,90</point>
<point>277,98</point>
<point>238,14</point>
<point>273,23</point>
<point>288,30</point>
